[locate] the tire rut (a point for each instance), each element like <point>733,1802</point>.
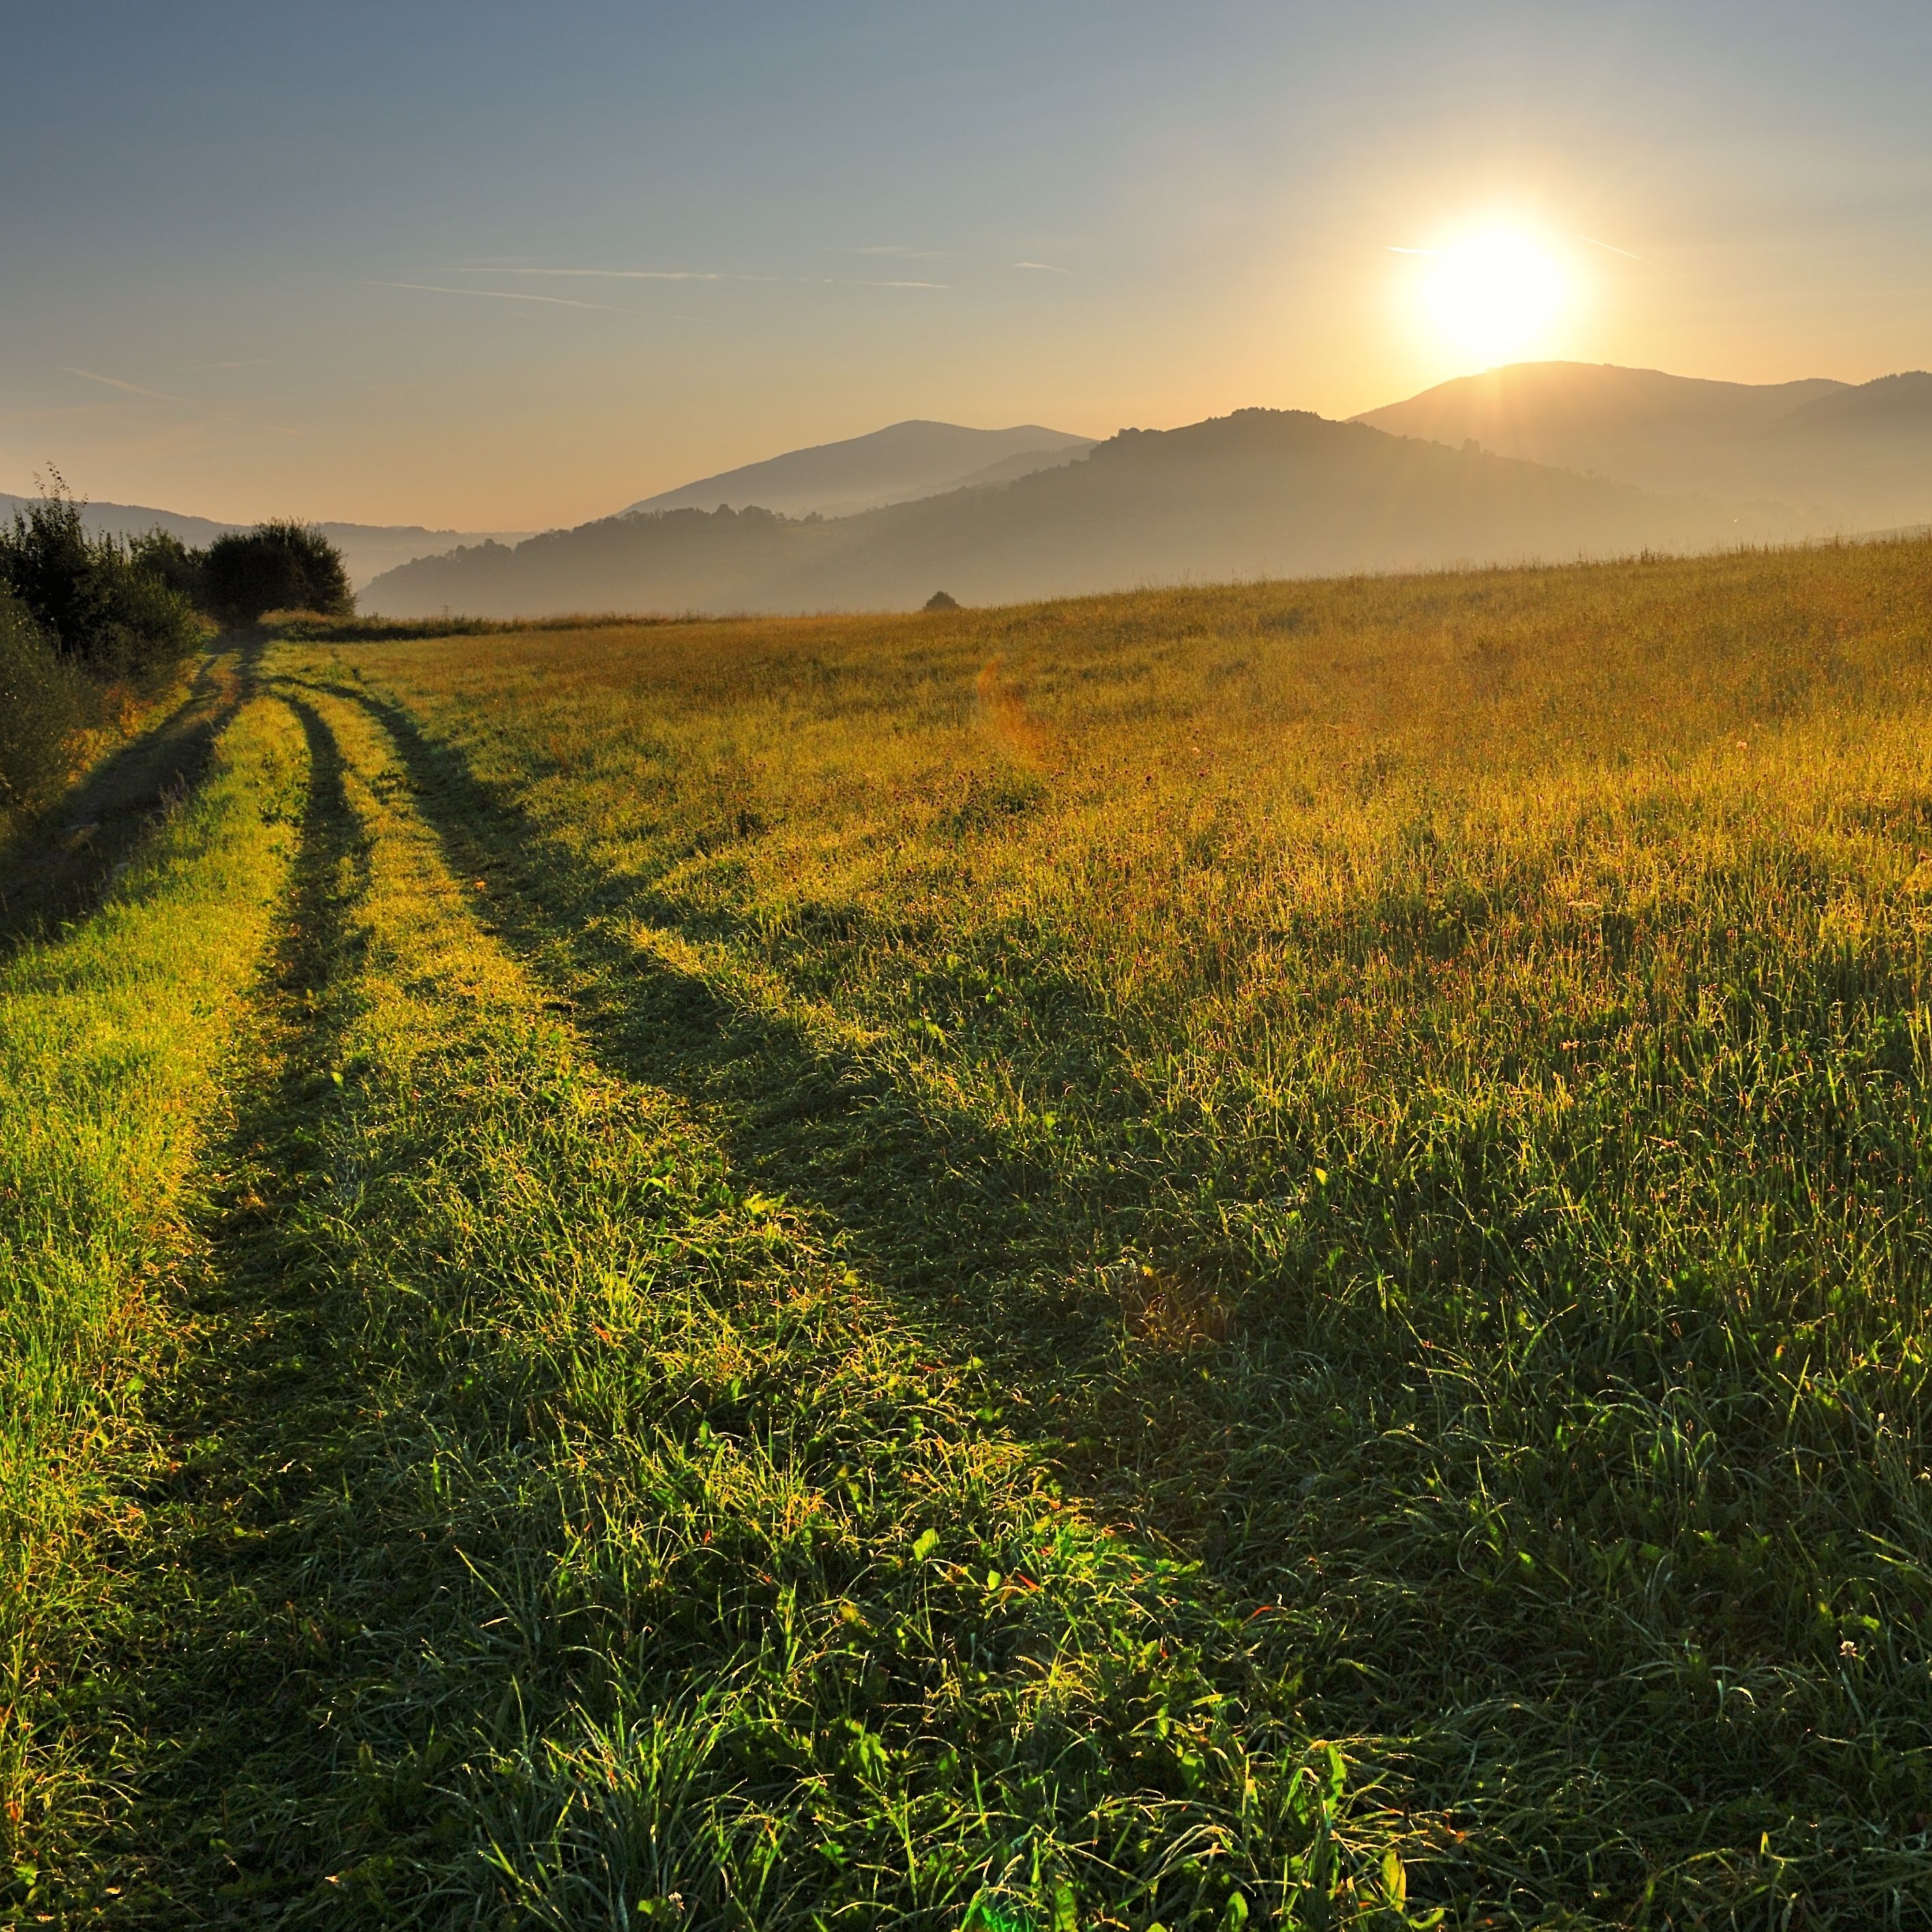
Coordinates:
<point>203,1689</point>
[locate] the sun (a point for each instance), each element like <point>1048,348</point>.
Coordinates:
<point>1495,294</point>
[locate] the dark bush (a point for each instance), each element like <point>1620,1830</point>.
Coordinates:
<point>43,701</point>
<point>163,556</point>
<point>284,566</point>
<point>146,627</point>
<point>106,613</point>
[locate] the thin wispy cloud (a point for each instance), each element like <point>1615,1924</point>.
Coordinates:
<point>676,275</point>
<point>496,295</point>
<point>115,382</point>
<point>1044,267</point>
<point>633,275</point>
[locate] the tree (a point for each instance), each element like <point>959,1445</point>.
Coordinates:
<point>279,565</point>
<point>105,612</point>
<point>50,565</point>
<point>163,556</point>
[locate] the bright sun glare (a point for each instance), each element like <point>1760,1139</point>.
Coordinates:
<point>1494,294</point>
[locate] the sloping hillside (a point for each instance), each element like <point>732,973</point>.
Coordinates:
<point>1262,493</point>
<point>1869,449</point>
<point>891,465</point>
<point>1830,455</point>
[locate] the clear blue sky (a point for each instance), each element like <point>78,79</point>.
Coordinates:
<point>211,207</point>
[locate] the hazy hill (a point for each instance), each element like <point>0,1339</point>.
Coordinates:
<point>1262,493</point>
<point>1892,404</point>
<point>367,549</point>
<point>904,460</point>
<point>1868,449</point>
<point>1636,423</point>
<point>1830,455</point>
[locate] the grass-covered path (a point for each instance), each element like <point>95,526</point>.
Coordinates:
<point>778,1277</point>
<point>533,1519</point>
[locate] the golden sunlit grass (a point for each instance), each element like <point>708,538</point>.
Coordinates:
<point>1502,993</point>
<point>1247,1255</point>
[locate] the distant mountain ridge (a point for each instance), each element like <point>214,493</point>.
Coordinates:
<point>893,465</point>
<point>367,549</point>
<point>1828,455</point>
<point>1604,458</point>
<point>1261,492</point>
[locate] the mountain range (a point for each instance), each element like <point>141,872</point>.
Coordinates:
<point>1538,460</point>
<point>1262,493</point>
<point>1828,455</point>
<point>1547,461</point>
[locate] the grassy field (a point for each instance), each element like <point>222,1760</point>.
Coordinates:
<point>1244,1256</point>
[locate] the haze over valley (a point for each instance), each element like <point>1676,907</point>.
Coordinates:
<point>1540,462</point>
<point>1533,462</point>
<point>1822,456</point>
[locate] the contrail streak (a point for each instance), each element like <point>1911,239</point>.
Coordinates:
<point>496,295</point>
<point>633,275</point>
<point>115,382</point>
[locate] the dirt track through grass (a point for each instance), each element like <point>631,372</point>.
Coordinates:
<point>544,1523</point>
<point>194,1705</point>
<point>994,1319</point>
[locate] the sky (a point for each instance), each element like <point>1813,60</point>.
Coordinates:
<point>490,266</point>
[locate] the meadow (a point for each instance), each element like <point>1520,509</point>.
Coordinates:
<point>1230,1256</point>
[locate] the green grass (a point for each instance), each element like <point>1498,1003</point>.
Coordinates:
<point>1252,1256</point>
<point>110,1037</point>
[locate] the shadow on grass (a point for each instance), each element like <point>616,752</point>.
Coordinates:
<point>930,1193</point>
<point>263,1595</point>
<point>57,868</point>
<point>1004,1259</point>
